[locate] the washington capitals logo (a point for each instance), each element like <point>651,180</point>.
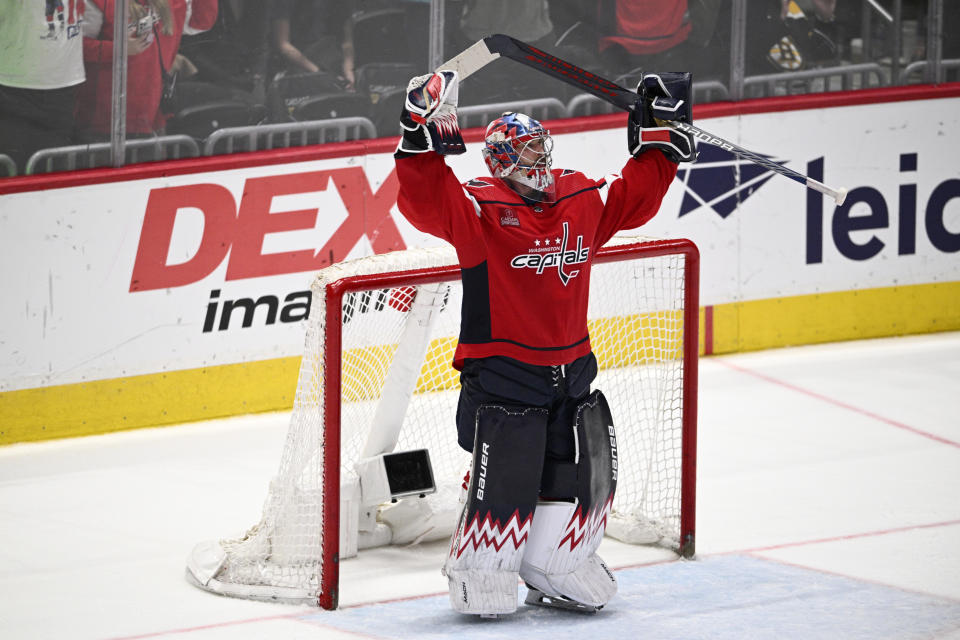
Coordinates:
<point>554,253</point>
<point>720,181</point>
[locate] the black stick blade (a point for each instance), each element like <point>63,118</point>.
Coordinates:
<point>562,70</point>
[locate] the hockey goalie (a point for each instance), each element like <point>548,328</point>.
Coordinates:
<point>543,444</point>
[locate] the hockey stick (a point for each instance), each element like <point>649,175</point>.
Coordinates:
<point>492,47</point>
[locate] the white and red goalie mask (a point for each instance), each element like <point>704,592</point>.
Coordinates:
<point>517,150</point>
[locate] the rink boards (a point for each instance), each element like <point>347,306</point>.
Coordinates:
<point>177,291</point>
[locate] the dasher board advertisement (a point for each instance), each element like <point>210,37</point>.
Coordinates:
<point>165,273</point>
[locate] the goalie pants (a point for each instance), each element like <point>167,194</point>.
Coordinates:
<point>507,382</point>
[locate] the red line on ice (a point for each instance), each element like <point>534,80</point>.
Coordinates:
<point>837,403</point>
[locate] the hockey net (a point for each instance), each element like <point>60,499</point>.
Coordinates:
<point>376,377</point>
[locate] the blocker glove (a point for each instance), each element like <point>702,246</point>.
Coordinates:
<point>429,116</point>
<point>663,97</point>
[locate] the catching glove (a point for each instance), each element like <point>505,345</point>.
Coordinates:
<point>663,97</point>
<point>429,116</point>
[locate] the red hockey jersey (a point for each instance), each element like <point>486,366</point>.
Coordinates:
<point>526,267</point>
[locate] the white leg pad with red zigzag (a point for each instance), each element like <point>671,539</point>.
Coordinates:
<point>484,564</point>
<point>487,548</point>
<point>560,559</point>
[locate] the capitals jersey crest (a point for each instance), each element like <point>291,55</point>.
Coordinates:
<point>561,257</point>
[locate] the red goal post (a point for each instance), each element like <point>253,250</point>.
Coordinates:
<point>376,378</point>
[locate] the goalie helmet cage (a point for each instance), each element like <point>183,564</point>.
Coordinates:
<point>643,322</point>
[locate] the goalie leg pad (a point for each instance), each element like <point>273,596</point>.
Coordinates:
<point>560,560</point>
<point>487,548</point>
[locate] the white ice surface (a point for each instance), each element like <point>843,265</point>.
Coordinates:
<point>828,506</point>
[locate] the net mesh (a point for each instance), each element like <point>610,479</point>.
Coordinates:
<point>636,329</point>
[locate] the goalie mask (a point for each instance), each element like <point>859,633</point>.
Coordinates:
<point>517,149</point>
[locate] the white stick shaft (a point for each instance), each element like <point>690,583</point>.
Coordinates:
<point>470,60</point>
<point>838,195</point>
<point>480,54</point>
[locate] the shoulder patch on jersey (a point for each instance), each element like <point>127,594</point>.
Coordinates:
<point>567,172</point>
<point>605,184</point>
<point>473,201</point>
<point>476,182</point>
<point>509,218</point>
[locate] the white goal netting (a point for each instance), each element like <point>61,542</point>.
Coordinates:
<point>394,331</point>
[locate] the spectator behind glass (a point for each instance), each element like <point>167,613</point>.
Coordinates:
<point>645,33</point>
<point>527,20</point>
<point>311,36</point>
<point>154,32</point>
<point>233,53</point>
<point>823,9</point>
<point>41,65</point>
<point>790,35</point>
<point>147,18</point>
<point>190,17</point>
<point>707,53</point>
